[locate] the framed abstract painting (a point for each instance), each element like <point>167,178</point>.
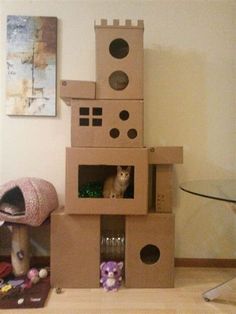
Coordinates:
<point>31,65</point>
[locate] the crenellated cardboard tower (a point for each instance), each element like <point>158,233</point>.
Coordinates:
<point>107,131</point>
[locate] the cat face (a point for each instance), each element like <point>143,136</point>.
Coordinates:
<point>123,174</point>
<point>111,269</point>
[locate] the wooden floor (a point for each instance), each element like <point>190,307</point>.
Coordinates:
<point>184,298</point>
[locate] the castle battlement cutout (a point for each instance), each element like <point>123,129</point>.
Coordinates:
<point>106,133</point>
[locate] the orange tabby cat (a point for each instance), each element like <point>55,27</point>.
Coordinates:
<point>116,185</point>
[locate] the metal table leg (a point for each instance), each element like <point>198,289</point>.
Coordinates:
<point>215,292</point>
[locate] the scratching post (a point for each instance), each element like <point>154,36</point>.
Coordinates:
<point>20,249</point>
<point>25,201</point>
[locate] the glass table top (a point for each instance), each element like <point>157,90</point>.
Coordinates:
<point>223,190</point>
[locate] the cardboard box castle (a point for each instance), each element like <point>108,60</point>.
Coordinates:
<point>106,132</point>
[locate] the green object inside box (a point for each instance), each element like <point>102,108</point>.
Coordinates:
<point>94,190</point>
<point>91,190</point>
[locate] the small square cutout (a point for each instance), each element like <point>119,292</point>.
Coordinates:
<point>84,111</point>
<point>97,122</point>
<point>97,111</point>
<point>84,122</point>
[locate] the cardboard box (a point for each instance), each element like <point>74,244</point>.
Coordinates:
<point>165,155</point>
<point>149,251</point>
<point>75,250</point>
<point>107,123</point>
<point>164,188</point>
<point>119,60</point>
<point>72,89</point>
<point>86,165</point>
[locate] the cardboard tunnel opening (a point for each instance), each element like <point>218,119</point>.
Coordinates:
<point>150,254</point>
<point>132,133</point>
<point>112,238</point>
<point>124,115</point>
<point>99,181</point>
<point>119,48</point>
<point>91,187</point>
<point>118,80</point>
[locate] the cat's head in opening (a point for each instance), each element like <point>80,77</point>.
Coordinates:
<point>123,174</point>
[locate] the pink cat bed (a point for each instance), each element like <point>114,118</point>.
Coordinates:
<point>27,201</point>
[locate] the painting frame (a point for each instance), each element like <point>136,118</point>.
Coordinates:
<point>31,66</point>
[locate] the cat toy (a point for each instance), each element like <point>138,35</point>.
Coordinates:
<point>111,275</point>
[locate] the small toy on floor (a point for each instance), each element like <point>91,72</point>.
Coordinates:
<point>28,291</point>
<point>111,275</point>
<point>35,275</point>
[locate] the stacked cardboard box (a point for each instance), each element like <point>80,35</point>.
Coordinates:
<point>106,132</point>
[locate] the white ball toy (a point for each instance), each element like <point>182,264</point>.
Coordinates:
<point>43,273</point>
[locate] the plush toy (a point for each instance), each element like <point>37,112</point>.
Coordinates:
<point>111,275</point>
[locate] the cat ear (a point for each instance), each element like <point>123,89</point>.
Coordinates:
<point>128,169</point>
<point>101,266</point>
<point>119,168</point>
<point>120,265</point>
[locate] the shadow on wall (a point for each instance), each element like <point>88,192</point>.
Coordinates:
<point>174,91</point>
<point>179,110</point>
<point>175,105</point>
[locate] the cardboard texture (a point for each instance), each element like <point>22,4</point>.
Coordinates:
<point>164,188</point>
<point>119,61</point>
<point>75,250</point>
<point>71,89</point>
<point>77,157</point>
<point>107,123</point>
<point>113,223</point>
<point>106,132</point>
<point>165,155</point>
<point>152,229</point>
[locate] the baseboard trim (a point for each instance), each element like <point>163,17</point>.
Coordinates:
<point>205,262</point>
<point>179,262</point>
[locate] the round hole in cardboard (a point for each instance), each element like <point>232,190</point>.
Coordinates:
<point>149,254</point>
<point>119,48</point>
<point>118,80</point>
<point>132,133</point>
<point>114,133</point>
<point>124,115</point>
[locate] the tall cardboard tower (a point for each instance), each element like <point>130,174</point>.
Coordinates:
<point>106,132</point>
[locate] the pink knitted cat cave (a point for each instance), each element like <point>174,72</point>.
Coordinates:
<point>27,201</point>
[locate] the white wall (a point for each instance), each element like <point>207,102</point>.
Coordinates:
<point>190,80</point>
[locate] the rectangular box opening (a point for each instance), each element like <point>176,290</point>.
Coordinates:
<point>106,181</point>
<point>112,238</point>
